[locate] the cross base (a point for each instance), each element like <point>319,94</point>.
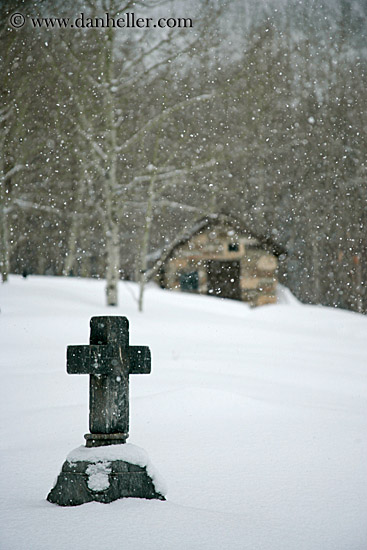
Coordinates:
<point>104,475</point>
<point>101,440</point>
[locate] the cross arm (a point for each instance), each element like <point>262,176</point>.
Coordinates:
<point>89,360</point>
<point>139,360</point>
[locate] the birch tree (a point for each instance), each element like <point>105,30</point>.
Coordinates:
<point>110,137</point>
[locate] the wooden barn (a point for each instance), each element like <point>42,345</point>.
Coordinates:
<point>217,258</point>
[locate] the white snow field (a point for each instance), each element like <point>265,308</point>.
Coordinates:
<point>255,418</point>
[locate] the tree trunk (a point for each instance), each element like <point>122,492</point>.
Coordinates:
<point>4,235</point>
<point>145,242</point>
<point>112,231</point>
<point>113,262</point>
<point>4,240</point>
<point>316,270</point>
<point>74,231</point>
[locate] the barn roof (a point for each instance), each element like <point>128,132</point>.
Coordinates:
<point>265,242</point>
<point>162,255</point>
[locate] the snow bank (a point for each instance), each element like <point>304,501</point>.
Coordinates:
<point>285,296</point>
<point>257,419</point>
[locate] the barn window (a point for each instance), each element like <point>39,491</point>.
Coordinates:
<point>233,247</point>
<point>189,282</point>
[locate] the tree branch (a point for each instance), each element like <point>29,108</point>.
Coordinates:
<point>164,114</point>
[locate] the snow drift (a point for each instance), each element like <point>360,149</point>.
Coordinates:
<point>256,419</point>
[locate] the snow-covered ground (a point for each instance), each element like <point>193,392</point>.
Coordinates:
<point>255,418</point>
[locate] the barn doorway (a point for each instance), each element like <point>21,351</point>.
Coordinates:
<point>224,279</point>
<point>189,282</point>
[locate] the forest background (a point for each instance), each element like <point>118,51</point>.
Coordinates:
<point>116,141</point>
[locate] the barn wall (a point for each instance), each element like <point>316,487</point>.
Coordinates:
<point>258,268</point>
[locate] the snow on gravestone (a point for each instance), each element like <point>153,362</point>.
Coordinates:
<point>107,468</point>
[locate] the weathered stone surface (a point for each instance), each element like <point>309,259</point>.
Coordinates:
<point>103,440</point>
<point>101,481</point>
<point>107,468</point>
<point>109,360</point>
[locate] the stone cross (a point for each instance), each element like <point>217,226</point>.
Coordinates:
<point>109,360</point>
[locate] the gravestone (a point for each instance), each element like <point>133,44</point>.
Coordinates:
<point>107,468</point>
<point>109,360</point>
